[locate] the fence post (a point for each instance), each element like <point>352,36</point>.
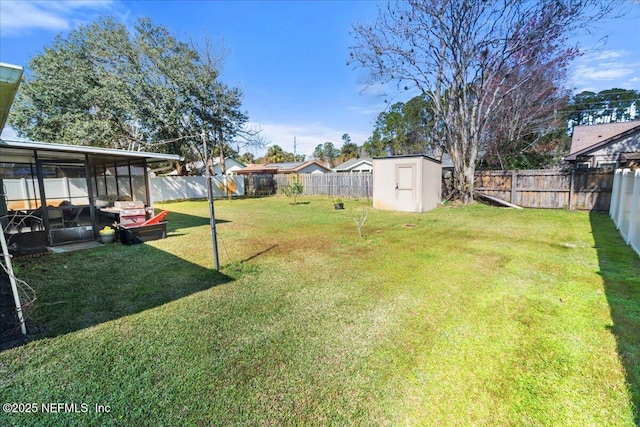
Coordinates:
<point>572,184</point>
<point>514,188</point>
<point>635,206</point>
<point>615,195</point>
<point>621,203</point>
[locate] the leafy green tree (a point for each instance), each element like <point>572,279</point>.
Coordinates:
<point>247,158</point>
<point>326,152</point>
<point>461,53</point>
<point>349,150</point>
<point>610,105</point>
<point>403,129</point>
<point>275,154</point>
<point>293,189</point>
<point>103,85</point>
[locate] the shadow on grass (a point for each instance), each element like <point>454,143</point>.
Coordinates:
<point>81,289</point>
<point>620,270</point>
<point>179,220</point>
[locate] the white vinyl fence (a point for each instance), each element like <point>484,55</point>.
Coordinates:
<point>625,205</point>
<point>24,193</point>
<point>164,189</point>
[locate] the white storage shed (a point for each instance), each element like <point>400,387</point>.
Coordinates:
<point>410,183</point>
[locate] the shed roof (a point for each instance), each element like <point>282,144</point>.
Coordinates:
<point>408,156</point>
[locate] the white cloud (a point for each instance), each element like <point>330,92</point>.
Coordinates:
<point>16,17</point>
<point>307,135</point>
<point>604,70</point>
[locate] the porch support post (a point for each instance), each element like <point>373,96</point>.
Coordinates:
<point>92,209</point>
<point>147,187</point>
<point>43,198</point>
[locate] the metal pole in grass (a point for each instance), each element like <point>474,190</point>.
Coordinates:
<point>212,212</point>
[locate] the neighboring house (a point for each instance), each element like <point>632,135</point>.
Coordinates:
<point>355,165</point>
<point>309,166</point>
<point>257,169</point>
<point>197,168</point>
<point>605,145</point>
<point>231,165</point>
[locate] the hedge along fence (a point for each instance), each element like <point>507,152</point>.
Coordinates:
<point>588,189</point>
<point>336,184</point>
<point>625,205</point>
<point>164,189</point>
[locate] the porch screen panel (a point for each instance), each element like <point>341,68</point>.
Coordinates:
<point>78,191</point>
<point>112,187</point>
<point>22,190</point>
<point>123,186</point>
<point>139,189</point>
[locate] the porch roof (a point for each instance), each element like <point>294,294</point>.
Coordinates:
<point>14,151</point>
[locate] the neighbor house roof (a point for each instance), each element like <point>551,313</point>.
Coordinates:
<point>589,138</point>
<point>257,169</point>
<point>285,167</point>
<point>296,167</point>
<point>352,164</point>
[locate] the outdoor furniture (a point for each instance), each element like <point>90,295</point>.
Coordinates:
<point>56,217</point>
<point>19,221</point>
<point>71,213</point>
<point>152,229</point>
<point>142,233</point>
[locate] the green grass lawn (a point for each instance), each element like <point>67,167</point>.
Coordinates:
<point>459,316</point>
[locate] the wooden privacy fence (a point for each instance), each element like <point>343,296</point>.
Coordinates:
<point>259,185</point>
<point>588,189</point>
<point>336,184</point>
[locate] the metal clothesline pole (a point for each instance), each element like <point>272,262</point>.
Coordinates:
<point>212,212</point>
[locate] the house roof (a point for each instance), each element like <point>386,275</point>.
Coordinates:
<point>592,137</point>
<point>351,163</point>
<point>24,151</point>
<point>285,167</point>
<point>630,156</point>
<point>294,167</point>
<point>257,169</point>
<point>10,76</point>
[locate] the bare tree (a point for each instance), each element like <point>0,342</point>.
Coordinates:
<point>467,56</point>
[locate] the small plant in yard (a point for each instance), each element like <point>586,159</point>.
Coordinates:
<point>360,219</point>
<point>293,189</point>
<point>338,204</point>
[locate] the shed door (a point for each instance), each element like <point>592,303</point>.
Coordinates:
<point>405,187</point>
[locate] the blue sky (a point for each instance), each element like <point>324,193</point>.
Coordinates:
<point>289,57</point>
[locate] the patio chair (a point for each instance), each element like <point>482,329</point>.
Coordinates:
<point>56,217</point>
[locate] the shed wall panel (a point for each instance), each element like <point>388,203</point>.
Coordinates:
<point>406,183</point>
